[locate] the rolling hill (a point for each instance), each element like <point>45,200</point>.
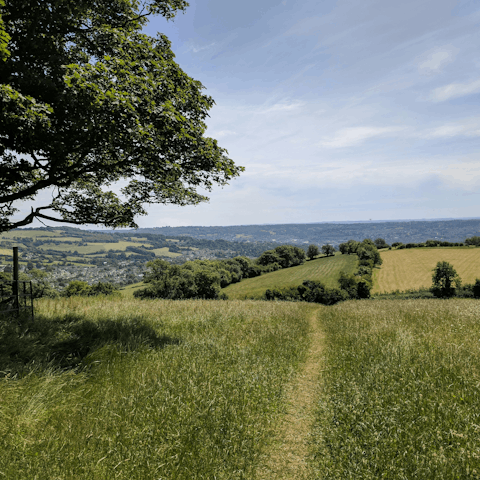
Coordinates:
<point>324,269</point>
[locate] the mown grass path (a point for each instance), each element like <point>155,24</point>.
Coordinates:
<point>287,456</point>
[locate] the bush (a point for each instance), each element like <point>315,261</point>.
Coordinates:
<point>476,288</point>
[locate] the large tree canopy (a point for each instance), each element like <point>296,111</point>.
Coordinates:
<point>88,102</point>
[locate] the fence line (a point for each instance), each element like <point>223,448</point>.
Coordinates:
<point>16,296</point>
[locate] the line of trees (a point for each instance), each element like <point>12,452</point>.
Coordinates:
<point>351,286</point>
<point>206,278</point>
<point>313,251</point>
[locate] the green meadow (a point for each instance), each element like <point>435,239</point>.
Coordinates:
<point>400,391</point>
<point>324,269</point>
<point>100,388</point>
<point>107,388</point>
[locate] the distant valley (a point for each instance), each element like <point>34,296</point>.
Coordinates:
<point>332,233</point>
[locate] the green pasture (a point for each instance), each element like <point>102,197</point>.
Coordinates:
<point>400,391</point>
<point>165,252</point>
<point>324,269</point>
<point>99,388</point>
<point>129,289</point>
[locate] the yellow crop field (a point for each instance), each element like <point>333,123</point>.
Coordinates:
<point>92,247</point>
<point>412,268</point>
<point>29,233</point>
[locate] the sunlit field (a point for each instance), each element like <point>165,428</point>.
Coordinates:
<point>401,391</point>
<point>324,269</point>
<point>100,388</point>
<point>411,268</point>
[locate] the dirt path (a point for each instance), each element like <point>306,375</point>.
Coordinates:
<point>287,457</point>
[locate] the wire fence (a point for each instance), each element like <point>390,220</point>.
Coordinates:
<point>16,297</point>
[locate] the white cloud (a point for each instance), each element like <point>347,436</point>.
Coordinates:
<point>348,137</point>
<point>462,128</point>
<point>434,61</point>
<point>280,107</point>
<point>221,133</point>
<point>196,49</point>
<point>455,90</point>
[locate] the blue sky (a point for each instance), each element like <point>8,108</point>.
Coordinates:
<point>338,110</point>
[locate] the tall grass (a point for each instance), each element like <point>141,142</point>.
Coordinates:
<point>401,391</point>
<point>117,389</point>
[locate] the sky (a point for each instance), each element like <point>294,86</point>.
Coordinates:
<point>338,110</point>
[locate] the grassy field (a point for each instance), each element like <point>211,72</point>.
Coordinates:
<point>161,389</point>
<point>111,388</point>
<point>165,252</point>
<point>29,233</point>
<point>129,289</point>
<point>401,391</point>
<point>325,269</point>
<point>412,268</point>
<point>92,247</point>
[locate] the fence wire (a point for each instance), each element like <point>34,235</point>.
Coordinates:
<point>16,297</point>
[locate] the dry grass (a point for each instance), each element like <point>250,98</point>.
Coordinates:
<point>412,268</point>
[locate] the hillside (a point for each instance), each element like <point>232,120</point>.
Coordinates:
<point>412,268</point>
<point>324,269</point>
<point>413,231</point>
<point>69,253</point>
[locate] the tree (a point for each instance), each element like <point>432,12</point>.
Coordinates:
<point>77,287</point>
<point>368,254</point>
<point>475,240</point>
<point>445,280</point>
<point>312,251</point>
<point>476,288</point>
<point>4,37</point>
<point>268,257</point>
<point>328,250</point>
<point>88,104</point>
<point>381,243</point>
<point>349,247</point>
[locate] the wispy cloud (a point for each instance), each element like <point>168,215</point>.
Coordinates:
<point>348,137</point>
<point>196,48</point>
<point>462,128</point>
<point>222,133</point>
<point>455,90</point>
<point>280,107</point>
<point>434,61</point>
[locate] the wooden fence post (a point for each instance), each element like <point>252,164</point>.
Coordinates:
<point>15,292</point>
